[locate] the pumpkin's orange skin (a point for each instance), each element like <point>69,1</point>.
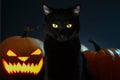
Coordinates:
<point>22,46</point>
<point>104,64</point>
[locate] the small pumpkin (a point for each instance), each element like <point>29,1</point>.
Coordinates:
<point>21,56</point>
<point>104,64</point>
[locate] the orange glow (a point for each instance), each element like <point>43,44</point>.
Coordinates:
<point>29,68</point>
<point>11,53</point>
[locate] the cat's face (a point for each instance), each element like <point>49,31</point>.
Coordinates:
<point>62,24</point>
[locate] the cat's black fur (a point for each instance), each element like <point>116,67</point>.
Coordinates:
<point>62,44</point>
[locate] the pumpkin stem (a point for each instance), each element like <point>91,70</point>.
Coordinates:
<point>96,46</point>
<point>26,31</point>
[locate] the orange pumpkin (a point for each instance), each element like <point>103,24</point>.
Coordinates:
<point>21,56</point>
<point>104,64</point>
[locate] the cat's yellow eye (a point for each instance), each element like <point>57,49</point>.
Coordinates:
<point>69,25</point>
<point>54,25</point>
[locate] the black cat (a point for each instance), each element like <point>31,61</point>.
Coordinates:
<point>62,44</point>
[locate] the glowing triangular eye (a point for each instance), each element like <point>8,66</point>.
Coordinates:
<point>37,52</point>
<point>11,53</point>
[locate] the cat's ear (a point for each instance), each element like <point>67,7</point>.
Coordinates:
<point>76,9</point>
<point>46,9</point>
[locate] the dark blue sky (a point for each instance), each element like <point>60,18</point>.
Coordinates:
<point>99,19</point>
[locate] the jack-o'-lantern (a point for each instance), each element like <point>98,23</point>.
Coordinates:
<point>104,64</point>
<point>22,55</point>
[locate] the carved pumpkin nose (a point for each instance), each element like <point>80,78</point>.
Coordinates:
<point>23,58</point>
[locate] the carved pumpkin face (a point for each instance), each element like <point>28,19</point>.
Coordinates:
<point>22,55</point>
<point>22,66</point>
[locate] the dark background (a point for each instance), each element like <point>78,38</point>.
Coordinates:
<point>99,19</point>
<point>0,19</point>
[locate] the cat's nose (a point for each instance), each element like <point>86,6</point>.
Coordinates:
<point>62,31</point>
<point>62,28</point>
<point>61,36</point>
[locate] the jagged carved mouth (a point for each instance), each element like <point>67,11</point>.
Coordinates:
<point>30,68</point>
